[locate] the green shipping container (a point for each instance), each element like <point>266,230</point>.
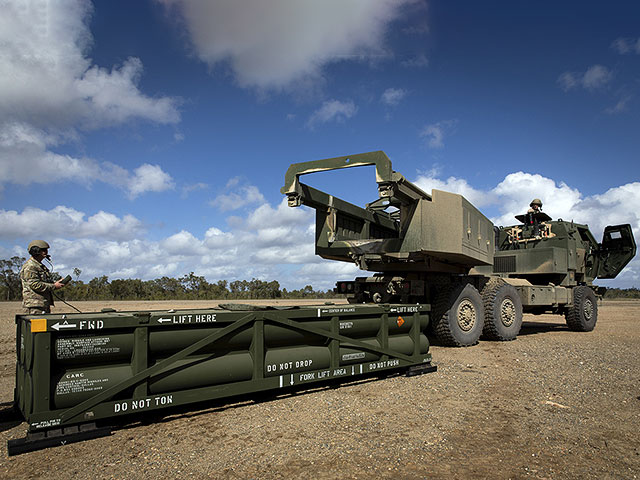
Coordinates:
<point>76,369</point>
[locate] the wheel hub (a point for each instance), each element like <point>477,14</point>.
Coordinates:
<point>588,309</point>
<point>466,315</point>
<point>507,312</point>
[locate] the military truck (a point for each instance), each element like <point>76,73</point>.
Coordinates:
<point>439,249</point>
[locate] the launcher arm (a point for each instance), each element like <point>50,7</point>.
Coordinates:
<point>391,185</point>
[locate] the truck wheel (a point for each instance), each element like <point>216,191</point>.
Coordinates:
<point>583,314</point>
<point>502,310</point>
<point>462,316</point>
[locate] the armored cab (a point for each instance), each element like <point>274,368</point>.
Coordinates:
<point>553,265</point>
<point>562,253</point>
<point>438,248</point>
<point>549,257</point>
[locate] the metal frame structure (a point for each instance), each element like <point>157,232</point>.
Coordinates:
<point>58,354</point>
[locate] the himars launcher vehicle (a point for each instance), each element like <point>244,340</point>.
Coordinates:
<point>438,261</point>
<point>439,249</point>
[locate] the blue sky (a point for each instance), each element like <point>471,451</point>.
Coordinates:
<point>151,138</point>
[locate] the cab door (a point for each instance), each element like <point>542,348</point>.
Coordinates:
<point>617,249</point>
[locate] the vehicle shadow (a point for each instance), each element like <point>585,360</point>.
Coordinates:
<point>528,328</point>
<point>10,417</point>
<point>206,407</point>
<point>532,328</point>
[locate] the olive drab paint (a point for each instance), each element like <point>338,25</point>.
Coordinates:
<point>437,248</point>
<point>76,368</point>
<point>405,228</point>
<point>437,262</point>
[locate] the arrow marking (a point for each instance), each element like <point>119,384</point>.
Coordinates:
<point>58,326</point>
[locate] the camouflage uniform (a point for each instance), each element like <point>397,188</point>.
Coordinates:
<point>37,287</point>
<point>531,219</point>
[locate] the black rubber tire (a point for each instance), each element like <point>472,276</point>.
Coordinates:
<point>502,311</point>
<point>459,315</point>
<point>583,314</point>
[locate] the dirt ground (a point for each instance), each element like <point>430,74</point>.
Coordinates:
<point>552,404</point>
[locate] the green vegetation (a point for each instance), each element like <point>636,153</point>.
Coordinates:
<point>188,287</point>
<point>622,293</point>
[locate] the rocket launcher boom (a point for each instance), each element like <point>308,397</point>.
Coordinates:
<point>405,229</point>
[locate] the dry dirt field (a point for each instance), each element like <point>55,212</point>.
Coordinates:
<point>552,404</point>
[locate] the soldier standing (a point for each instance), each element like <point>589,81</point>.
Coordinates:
<point>37,284</point>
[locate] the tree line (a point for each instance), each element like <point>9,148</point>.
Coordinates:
<point>187,287</point>
<point>622,293</point>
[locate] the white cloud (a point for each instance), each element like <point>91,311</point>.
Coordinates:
<point>63,220</point>
<point>393,96</point>
<point>626,45</point>
<point>214,238</point>
<point>479,198</point>
<point>280,43</point>
<point>25,159</point>
<point>164,270</point>
<point>517,190</point>
<point>49,80</point>
<point>617,205</point>
<point>98,257</point>
<point>513,194</point>
<point>277,242</point>
<point>187,189</point>
<point>266,216</point>
<point>596,77</point>
<point>332,110</point>
<point>568,80</point>
<point>328,272</point>
<point>278,254</point>
<point>260,245</point>
<point>619,107</point>
<point>436,132</point>
<point>108,225</point>
<point>183,244</point>
<point>114,97</point>
<point>418,61</point>
<point>237,195</point>
<point>149,178</point>
<point>50,92</point>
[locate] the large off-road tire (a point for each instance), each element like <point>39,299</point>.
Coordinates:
<point>458,315</point>
<point>502,311</point>
<point>583,314</point>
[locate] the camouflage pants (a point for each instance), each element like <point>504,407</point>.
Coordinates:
<point>37,310</point>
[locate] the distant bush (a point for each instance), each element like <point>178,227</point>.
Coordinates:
<point>622,293</point>
<point>188,287</point>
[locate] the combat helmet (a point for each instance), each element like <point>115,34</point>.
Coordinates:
<point>536,201</point>
<point>36,246</point>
